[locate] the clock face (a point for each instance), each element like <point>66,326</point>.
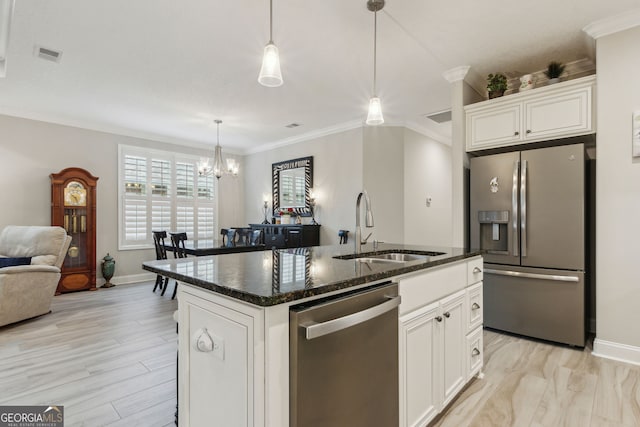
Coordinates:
<point>75,194</point>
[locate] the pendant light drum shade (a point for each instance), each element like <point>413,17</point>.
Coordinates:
<point>375,112</point>
<point>270,74</point>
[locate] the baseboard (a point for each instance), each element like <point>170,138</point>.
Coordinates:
<point>616,351</point>
<point>125,280</point>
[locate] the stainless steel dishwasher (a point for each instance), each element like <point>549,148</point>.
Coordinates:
<point>344,359</point>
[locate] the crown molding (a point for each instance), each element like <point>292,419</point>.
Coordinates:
<point>456,74</point>
<point>613,24</point>
<point>429,133</point>
<point>100,127</point>
<point>342,127</point>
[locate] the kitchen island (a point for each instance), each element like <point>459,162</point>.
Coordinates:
<point>234,326</point>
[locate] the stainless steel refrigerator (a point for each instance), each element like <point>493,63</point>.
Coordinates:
<point>527,211</point>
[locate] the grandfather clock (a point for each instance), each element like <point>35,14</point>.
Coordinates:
<point>73,206</point>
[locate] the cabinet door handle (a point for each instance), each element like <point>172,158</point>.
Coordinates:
<point>477,270</point>
<point>447,315</point>
<point>528,130</point>
<point>516,133</point>
<point>204,342</point>
<point>439,318</point>
<point>475,306</point>
<point>475,352</point>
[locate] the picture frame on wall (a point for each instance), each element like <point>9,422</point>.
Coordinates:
<point>636,134</point>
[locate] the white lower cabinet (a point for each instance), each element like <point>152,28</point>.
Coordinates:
<point>234,356</point>
<point>216,384</point>
<point>436,349</point>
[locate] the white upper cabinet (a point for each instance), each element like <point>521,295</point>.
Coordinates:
<point>550,112</point>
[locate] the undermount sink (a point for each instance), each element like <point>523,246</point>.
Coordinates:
<point>390,257</point>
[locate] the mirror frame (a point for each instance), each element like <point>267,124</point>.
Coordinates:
<point>276,168</point>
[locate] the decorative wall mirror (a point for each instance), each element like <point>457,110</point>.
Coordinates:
<point>292,181</point>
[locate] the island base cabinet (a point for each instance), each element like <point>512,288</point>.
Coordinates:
<point>440,338</point>
<point>216,366</point>
<point>432,358</point>
<point>419,360</point>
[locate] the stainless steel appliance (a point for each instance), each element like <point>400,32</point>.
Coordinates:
<point>528,212</point>
<point>344,360</point>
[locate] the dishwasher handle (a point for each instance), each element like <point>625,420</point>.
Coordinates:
<point>315,329</point>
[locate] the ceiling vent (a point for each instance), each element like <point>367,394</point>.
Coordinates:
<point>440,117</point>
<point>48,54</point>
<point>292,125</point>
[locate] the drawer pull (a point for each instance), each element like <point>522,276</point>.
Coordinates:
<point>204,343</point>
<point>516,133</point>
<point>447,315</point>
<point>528,130</point>
<point>439,318</point>
<point>475,306</point>
<point>477,270</point>
<point>475,352</point>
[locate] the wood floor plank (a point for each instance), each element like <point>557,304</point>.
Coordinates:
<point>95,416</point>
<point>513,402</point>
<point>95,349</point>
<point>568,399</point>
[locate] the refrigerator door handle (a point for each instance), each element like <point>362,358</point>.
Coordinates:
<point>532,275</point>
<point>514,208</point>
<point>523,207</point>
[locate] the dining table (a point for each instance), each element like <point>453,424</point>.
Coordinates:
<point>203,247</point>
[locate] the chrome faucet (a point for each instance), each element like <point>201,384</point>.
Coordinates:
<point>368,221</point>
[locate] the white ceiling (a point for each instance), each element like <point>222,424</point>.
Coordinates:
<point>166,69</point>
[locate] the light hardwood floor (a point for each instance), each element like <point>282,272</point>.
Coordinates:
<point>534,383</point>
<point>109,358</point>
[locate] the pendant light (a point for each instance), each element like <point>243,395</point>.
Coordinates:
<point>270,74</point>
<point>375,108</point>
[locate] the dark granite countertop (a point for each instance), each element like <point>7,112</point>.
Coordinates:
<point>278,276</point>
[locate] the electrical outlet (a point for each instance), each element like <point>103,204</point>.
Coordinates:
<point>429,201</point>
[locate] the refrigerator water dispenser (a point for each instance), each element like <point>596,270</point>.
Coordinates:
<point>494,236</point>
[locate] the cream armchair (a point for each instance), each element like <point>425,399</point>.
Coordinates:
<point>27,290</point>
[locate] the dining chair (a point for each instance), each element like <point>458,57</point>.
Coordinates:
<point>243,236</point>
<point>255,238</point>
<point>229,237</point>
<point>179,251</point>
<point>161,253</point>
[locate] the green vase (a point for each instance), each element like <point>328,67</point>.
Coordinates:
<point>108,268</point>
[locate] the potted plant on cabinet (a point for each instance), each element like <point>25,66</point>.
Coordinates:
<point>554,71</point>
<point>496,85</point>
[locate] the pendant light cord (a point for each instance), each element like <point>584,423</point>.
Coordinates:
<point>375,32</point>
<point>270,21</point>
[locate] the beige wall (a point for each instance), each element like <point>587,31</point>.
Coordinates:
<point>337,179</point>
<point>617,191</point>
<point>31,150</point>
<point>383,178</point>
<point>427,173</point>
<point>397,166</point>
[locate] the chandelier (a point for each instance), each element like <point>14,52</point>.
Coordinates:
<point>218,169</point>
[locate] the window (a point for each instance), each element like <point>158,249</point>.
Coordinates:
<point>160,190</point>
